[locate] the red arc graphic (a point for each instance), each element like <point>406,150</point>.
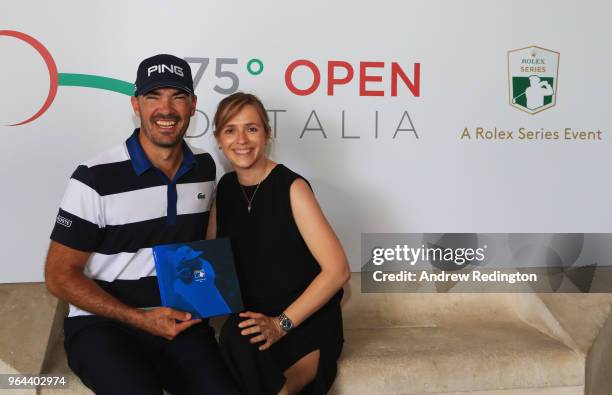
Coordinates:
<point>53,76</point>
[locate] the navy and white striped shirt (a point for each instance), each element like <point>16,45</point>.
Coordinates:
<point>118,205</point>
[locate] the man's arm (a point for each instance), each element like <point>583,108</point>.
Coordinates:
<point>65,279</point>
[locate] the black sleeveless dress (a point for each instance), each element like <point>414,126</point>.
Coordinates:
<point>274,267</point>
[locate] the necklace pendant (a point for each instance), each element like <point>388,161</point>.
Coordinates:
<point>249,208</point>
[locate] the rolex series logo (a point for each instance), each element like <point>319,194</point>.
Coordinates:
<point>532,78</point>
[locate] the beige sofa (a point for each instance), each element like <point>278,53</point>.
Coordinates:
<point>397,343</point>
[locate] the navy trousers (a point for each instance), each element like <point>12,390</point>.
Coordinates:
<point>113,358</point>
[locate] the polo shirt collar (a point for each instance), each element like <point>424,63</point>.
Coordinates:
<point>140,161</point>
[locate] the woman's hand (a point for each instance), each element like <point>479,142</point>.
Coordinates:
<point>268,328</point>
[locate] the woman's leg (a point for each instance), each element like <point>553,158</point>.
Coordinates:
<point>255,371</point>
<point>301,373</point>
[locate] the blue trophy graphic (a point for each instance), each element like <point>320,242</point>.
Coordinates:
<point>195,281</point>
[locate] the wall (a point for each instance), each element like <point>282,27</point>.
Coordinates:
<point>368,178</point>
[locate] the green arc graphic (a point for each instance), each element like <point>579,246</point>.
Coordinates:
<point>96,81</point>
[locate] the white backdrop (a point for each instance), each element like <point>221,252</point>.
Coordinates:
<point>436,183</point>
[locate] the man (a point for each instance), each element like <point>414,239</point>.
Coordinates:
<point>150,190</point>
<point>536,91</point>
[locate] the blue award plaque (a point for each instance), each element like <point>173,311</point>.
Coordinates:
<point>198,277</point>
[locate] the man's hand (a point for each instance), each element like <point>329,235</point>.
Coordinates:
<point>162,321</point>
<point>65,279</point>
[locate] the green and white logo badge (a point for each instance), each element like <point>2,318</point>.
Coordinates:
<point>532,77</point>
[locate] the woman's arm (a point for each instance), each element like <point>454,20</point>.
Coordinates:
<point>324,246</point>
<point>211,230</point>
<point>326,249</point>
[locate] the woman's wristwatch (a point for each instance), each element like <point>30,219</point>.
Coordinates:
<point>285,322</point>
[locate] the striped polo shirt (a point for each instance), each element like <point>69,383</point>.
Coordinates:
<point>118,206</point>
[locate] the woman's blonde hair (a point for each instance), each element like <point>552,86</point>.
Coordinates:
<point>233,104</point>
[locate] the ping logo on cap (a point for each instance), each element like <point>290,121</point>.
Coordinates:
<point>162,68</point>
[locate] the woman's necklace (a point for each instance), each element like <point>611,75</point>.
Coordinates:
<point>250,201</point>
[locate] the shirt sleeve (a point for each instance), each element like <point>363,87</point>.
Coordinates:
<point>80,221</point>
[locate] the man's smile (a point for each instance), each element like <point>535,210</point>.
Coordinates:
<point>165,124</point>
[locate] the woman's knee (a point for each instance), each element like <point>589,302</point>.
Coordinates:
<point>230,332</point>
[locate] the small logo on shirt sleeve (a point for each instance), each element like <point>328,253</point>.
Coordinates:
<point>201,196</point>
<point>63,221</point>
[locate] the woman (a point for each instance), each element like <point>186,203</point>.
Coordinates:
<point>290,264</point>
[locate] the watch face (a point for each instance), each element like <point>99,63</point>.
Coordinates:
<point>286,324</point>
